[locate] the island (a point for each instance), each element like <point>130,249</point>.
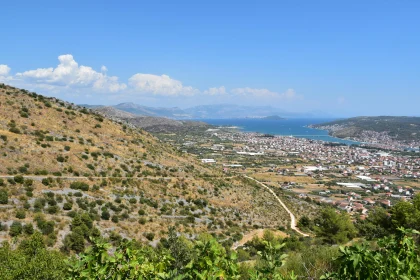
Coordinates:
<point>274,117</point>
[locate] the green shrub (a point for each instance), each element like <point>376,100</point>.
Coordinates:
<point>115,219</point>
<point>20,214</point>
<point>15,229</point>
<point>105,215</point>
<point>28,229</point>
<point>4,197</point>
<point>149,235</point>
<point>19,179</point>
<point>79,186</point>
<point>67,206</point>
<point>61,159</point>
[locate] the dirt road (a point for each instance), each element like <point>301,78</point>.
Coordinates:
<point>292,217</point>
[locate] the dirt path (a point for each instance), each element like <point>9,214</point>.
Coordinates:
<point>292,217</point>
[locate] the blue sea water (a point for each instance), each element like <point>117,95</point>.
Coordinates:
<point>288,127</point>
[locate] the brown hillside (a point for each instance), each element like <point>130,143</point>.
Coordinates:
<point>144,184</point>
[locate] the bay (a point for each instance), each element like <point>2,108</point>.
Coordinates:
<point>286,127</point>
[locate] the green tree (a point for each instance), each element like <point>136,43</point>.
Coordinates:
<point>335,227</point>
<point>378,224</point>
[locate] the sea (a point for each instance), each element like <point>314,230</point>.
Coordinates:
<point>286,127</point>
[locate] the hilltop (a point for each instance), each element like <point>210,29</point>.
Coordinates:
<point>60,162</point>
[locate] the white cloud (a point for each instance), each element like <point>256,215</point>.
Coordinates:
<point>71,79</point>
<point>69,74</point>
<point>4,74</point>
<point>216,91</point>
<point>4,70</point>
<point>159,85</point>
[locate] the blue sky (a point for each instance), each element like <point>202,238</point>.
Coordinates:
<point>345,58</point>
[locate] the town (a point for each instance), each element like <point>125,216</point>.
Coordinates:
<point>351,178</point>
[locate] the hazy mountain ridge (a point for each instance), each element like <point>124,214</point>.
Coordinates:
<point>217,111</point>
<point>150,123</point>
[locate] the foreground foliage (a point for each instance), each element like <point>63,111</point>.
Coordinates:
<point>209,261</point>
<point>396,258</point>
<point>31,260</point>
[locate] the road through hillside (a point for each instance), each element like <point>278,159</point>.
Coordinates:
<point>292,217</point>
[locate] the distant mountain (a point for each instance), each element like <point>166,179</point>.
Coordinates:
<point>218,111</point>
<point>174,112</point>
<point>150,123</point>
<point>227,111</point>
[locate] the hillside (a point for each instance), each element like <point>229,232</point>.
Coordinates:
<point>404,129</point>
<point>60,162</point>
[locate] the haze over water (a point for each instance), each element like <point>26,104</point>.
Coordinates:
<point>287,127</point>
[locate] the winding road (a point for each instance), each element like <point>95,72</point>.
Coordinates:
<point>292,217</point>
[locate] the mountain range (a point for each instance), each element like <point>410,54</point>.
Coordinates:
<point>217,111</point>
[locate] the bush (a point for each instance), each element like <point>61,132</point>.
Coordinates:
<point>15,229</point>
<point>79,186</point>
<point>46,227</point>
<point>53,209</point>
<point>67,206</point>
<point>149,235</point>
<point>67,148</point>
<point>28,229</point>
<point>61,159</point>
<point>21,214</point>
<point>115,219</point>
<point>46,181</point>
<point>4,197</point>
<point>105,215</point>
<point>74,241</point>
<point>142,220</point>
<point>19,179</point>
<point>14,130</point>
